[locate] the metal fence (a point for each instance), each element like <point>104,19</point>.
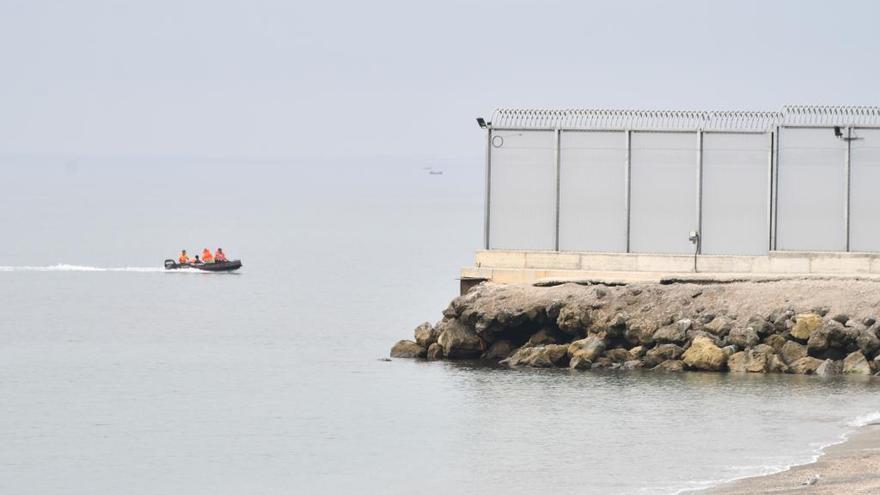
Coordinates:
<point>800,179</point>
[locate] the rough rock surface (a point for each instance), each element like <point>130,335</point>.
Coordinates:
<point>500,349</point>
<point>792,351</point>
<point>856,364</point>
<point>703,354</point>
<point>823,327</point>
<point>407,349</point>
<point>762,359</point>
<point>426,334</point>
<point>805,366</point>
<point>829,367</point>
<point>743,338</point>
<point>543,356</point>
<point>458,340</point>
<point>675,365</point>
<point>435,352</point>
<point>804,325</point>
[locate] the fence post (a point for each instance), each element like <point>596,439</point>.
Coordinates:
<point>846,213</point>
<point>699,246</point>
<point>775,192</point>
<point>558,170</point>
<point>627,186</point>
<point>771,193</point>
<point>486,213</point>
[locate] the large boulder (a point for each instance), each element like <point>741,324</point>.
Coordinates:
<point>672,365</point>
<point>632,364</point>
<point>426,334</point>
<point>435,352</point>
<point>640,331</point>
<point>792,351</point>
<point>719,326</point>
<point>589,348</point>
<point>775,341</point>
<point>703,354</point>
<point>829,367</point>
<point>744,338</point>
<point>804,325</point>
<point>760,325</point>
<point>868,342</point>
<point>407,349</point>
<point>580,363</point>
<point>618,355</point>
<point>458,340</point>
<point>545,356</point>
<point>761,359</point>
<point>544,336</point>
<point>499,349</point>
<point>661,353</point>
<point>805,366</point>
<point>574,319</point>
<point>830,337</point>
<point>671,334</point>
<point>638,352</point>
<point>856,364</point>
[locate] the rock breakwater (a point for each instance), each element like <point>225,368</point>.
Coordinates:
<point>822,327</point>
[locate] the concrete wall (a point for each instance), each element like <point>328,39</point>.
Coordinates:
<point>530,266</point>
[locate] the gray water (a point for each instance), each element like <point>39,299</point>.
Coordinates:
<point>134,380</point>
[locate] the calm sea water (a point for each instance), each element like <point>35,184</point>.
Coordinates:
<point>270,380</point>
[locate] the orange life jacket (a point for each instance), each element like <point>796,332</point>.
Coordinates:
<point>206,256</point>
<point>183,259</point>
<point>219,256</point>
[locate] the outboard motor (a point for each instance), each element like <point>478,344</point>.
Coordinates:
<point>169,264</point>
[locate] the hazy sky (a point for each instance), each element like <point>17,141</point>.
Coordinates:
<point>291,79</point>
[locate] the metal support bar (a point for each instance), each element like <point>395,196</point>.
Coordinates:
<point>558,170</point>
<point>699,248</point>
<point>486,213</point>
<point>627,181</point>
<point>775,193</point>
<point>846,213</point>
<point>771,180</point>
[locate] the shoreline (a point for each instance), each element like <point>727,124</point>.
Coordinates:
<point>850,466</point>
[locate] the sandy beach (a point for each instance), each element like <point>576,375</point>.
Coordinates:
<point>851,467</point>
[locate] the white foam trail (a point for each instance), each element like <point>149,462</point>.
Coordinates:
<point>63,267</point>
<point>865,419</point>
<point>818,450</point>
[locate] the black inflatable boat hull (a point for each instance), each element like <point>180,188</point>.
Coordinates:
<point>220,266</point>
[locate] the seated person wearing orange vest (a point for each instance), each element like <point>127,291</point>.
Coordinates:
<point>220,255</point>
<point>206,256</point>
<point>184,258</point>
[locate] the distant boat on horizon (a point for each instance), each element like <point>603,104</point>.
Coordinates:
<point>435,172</point>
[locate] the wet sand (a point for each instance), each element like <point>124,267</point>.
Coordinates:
<point>852,467</point>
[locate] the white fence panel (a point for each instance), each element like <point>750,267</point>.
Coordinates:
<point>592,195</point>
<point>522,190</point>
<point>736,193</point>
<point>663,201</point>
<point>811,204</point>
<point>865,199</point>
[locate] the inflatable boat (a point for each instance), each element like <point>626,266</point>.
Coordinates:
<point>217,266</point>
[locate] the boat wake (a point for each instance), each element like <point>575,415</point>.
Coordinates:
<point>63,267</point>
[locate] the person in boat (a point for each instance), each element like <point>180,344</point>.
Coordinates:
<point>220,255</point>
<point>197,260</point>
<point>183,258</point>
<point>207,257</point>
